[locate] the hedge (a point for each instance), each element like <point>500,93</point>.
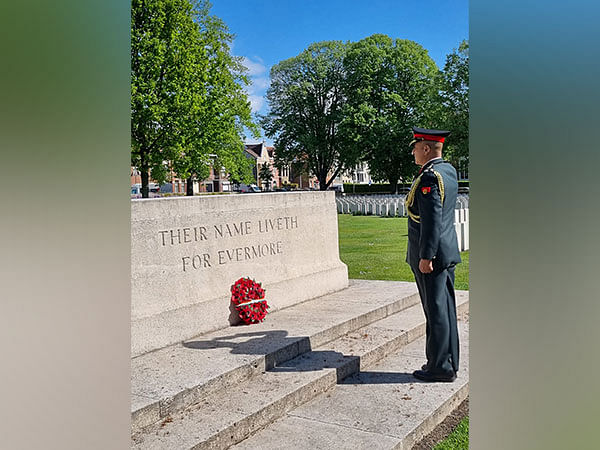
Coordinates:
<point>384,188</point>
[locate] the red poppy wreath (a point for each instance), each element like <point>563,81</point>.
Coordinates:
<point>249,299</point>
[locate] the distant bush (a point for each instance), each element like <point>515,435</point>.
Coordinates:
<point>385,188</point>
<point>376,188</point>
<point>350,188</point>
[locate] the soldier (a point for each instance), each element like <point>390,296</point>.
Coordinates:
<point>433,252</point>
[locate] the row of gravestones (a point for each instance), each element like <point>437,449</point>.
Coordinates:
<point>378,208</point>
<point>461,225</point>
<point>382,205</point>
<point>393,205</point>
<point>464,198</point>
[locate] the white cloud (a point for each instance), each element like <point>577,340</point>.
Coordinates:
<point>254,68</point>
<point>260,84</point>
<point>260,81</point>
<point>256,102</point>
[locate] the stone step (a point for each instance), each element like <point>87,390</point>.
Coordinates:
<point>229,416</point>
<point>171,379</point>
<point>383,407</point>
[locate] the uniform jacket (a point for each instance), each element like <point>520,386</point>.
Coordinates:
<point>430,204</point>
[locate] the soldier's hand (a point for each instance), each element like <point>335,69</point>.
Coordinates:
<point>426,266</point>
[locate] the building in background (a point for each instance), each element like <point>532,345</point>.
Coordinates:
<point>303,180</point>
<point>216,182</point>
<point>360,174</point>
<point>262,154</point>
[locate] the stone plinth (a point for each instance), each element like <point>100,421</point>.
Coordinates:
<point>187,252</point>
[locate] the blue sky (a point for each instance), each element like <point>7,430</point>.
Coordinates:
<point>269,31</point>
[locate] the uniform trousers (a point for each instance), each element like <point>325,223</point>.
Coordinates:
<point>439,304</point>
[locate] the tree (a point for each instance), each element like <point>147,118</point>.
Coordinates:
<point>265,175</point>
<point>454,98</point>
<point>161,56</point>
<point>306,100</point>
<point>185,91</point>
<point>214,129</point>
<point>391,87</point>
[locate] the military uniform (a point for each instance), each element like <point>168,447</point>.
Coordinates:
<point>431,236</point>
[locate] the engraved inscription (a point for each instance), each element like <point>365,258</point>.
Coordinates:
<point>196,261</point>
<point>280,223</point>
<point>233,229</point>
<point>221,231</point>
<point>252,252</point>
<point>182,235</point>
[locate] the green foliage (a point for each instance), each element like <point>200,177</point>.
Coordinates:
<point>265,175</point>
<point>160,56</point>
<point>391,87</point>
<point>188,106</point>
<point>374,248</point>
<point>351,188</point>
<point>458,439</point>
<point>382,188</point>
<point>215,129</point>
<point>454,101</point>
<point>306,100</point>
<point>338,103</point>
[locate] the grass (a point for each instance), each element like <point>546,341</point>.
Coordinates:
<point>458,439</point>
<point>374,248</point>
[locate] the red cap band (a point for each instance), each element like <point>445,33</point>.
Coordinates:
<point>429,137</point>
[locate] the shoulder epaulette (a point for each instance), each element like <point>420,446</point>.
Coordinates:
<point>410,199</point>
<point>433,176</point>
<point>440,183</point>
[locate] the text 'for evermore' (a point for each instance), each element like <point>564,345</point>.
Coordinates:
<point>231,255</point>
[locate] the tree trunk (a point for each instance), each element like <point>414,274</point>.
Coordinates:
<point>394,186</point>
<point>145,176</point>
<point>323,182</point>
<point>189,189</point>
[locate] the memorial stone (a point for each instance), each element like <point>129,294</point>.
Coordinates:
<point>187,252</point>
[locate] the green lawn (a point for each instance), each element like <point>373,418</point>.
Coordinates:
<point>458,439</point>
<point>374,248</point>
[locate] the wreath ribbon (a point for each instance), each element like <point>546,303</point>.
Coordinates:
<point>251,302</point>
<point>249,299</point>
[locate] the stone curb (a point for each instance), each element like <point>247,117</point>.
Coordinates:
<point>434,419</point>
<point>156,411</point>
<point>382,407</point>
<point>232,430</point>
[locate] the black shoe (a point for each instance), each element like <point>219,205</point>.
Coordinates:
<point>425,375</point>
